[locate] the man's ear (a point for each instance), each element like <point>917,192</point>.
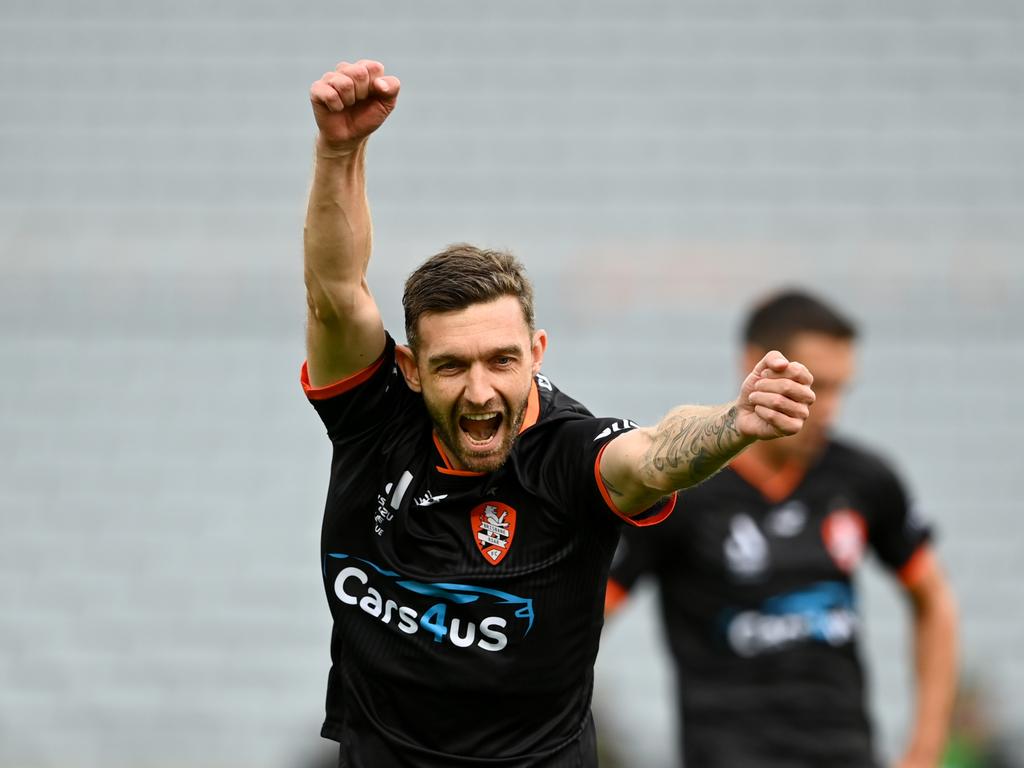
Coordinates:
<point>407,364</point>
<point>540,343</point>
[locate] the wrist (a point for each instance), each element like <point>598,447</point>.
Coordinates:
<point>741,436</point>
<point>339,150</point>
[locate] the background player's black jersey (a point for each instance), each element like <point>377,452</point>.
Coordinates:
<point>467,607</point>
<point>755,586</point>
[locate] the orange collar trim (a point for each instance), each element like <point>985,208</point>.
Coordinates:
<point>448,468</point>
<point>532,408</point>
<point>774,484</point>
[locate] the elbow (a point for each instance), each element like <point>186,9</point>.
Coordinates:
<point>319,308</point>
<point>332,303</point>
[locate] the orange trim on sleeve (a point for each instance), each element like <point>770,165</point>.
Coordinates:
<point>614,596</point>
<point>637,520</point>
<point>338,387</point>
<point>774,484</point>
<point>916,566</point>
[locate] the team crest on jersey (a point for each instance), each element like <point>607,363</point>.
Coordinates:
<point>845,534</point>
<point>494,526</point>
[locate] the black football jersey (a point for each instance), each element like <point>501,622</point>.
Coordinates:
<point>758,605</point>
<point>467,607</point>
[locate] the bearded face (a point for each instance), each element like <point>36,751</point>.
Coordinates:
<point>475,367</point>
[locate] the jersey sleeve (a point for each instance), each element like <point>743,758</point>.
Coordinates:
<point>897,533</point>
<point>576,449</point>
<point>363,400</point>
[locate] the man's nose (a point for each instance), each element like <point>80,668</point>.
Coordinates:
<point>479,390</point>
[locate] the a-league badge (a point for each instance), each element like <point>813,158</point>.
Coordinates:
<point>494,526</point>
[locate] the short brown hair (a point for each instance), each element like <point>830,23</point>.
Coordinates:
<point>462,275</point>
<point>774,322</point>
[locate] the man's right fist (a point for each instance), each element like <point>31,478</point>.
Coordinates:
<point>351,102</point>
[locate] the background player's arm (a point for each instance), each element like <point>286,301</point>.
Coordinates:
<point>344,331</point>
<point>935,662</point>
<point>693,442</point>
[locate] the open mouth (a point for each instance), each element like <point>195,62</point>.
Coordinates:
<point>480,428</point>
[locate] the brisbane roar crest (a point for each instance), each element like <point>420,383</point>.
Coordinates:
<point>845,534</point>
<point>494,526</point>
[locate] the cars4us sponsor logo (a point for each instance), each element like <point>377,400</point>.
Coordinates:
<point>463,615</point>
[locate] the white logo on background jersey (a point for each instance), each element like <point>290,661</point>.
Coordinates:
<point>788,520</point>
<point>543,382</point>
<point>746,550</point>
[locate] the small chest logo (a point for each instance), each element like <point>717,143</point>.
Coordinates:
<point>845,534</point>
<point>494,526</point>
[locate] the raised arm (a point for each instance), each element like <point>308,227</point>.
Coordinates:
<point>693,442</point>
<point>344,332</point>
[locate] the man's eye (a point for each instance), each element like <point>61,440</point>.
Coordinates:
<point>504,361</point>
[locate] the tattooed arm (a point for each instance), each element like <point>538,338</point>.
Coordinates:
<point>693,442</point>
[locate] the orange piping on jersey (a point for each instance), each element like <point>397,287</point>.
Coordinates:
<point>916,566</point>
<point>643,522</point>
<point>338,387</point>
<point>440,450</point>
<point>532,408</point>
<point>614,596</point>
<point>774,484</point>
<point>448,469</point>
<point>459,472</point>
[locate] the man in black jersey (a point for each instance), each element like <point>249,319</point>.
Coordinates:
<point>473,509</point>
<point>755,581</point>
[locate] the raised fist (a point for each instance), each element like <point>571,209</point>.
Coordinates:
<point>351,102</point>
<point>775,398</point>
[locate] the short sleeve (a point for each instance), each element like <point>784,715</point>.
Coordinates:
<point>363,400</point>
<point>574,470</point>
<point>896,532</point>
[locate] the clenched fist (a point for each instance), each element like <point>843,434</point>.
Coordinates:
<point>775,398</point>
<point>351,102</point>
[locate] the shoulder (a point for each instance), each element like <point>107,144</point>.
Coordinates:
<point>856,458</point>
<point>558,414</point>
<point>556,404</point>
<point>870,474</point>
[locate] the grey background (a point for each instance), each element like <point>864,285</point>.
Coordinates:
<point>657,165</point>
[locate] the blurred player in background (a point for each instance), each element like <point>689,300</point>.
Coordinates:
<point>473,509</point>
<point>755,579</point>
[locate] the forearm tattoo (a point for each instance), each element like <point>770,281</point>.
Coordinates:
<point>689,447</point>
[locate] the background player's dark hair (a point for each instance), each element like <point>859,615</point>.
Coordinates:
<point>462,275</point>
<point>774,322</point>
